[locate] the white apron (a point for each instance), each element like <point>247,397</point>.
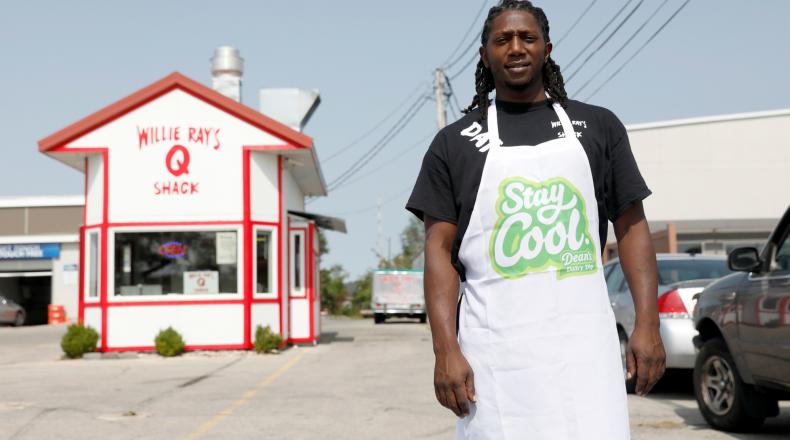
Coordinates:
<point>535,322</point>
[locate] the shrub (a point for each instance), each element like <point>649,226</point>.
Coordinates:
<point>78,340</point>
<point>169,343</point>
<point>266,340</point>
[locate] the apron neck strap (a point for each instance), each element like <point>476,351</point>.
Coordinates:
<point>493,125</point>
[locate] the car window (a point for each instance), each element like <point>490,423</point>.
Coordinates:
<point>673,271</point>
<point>614,281</point>
<point>782,260</point>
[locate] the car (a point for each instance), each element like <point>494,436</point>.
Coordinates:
<point>680,277</point>
<point>11,312</point>
<point>743,366</point>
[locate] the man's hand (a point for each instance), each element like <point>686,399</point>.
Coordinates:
<point>454,382</point>
<point>645,358</point>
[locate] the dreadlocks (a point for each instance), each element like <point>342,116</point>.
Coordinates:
<point>484,81</point>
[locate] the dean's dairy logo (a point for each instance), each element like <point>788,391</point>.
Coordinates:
<point>541,225</point>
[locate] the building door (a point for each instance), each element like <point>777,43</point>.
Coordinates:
<point>300,284</point>
<point>31,290</point>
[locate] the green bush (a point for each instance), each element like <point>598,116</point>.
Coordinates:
<point>79,340</point>
<point>169,343</point>
<point>266,340</point>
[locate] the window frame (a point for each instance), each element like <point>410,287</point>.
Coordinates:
<point>273,262</point>
<point>293,233</point>
<point>178,297</point>
<point>87,273</point>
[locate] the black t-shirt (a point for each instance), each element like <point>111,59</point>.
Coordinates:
<point>447,185</point>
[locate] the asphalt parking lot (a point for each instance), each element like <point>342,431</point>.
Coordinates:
<point>362,381</point>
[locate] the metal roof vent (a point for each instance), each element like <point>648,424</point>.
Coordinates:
<point>227,67</point>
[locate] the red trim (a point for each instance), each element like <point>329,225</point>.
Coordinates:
<point>247,248</point>
<point>105,219</point>
<point>85,201</point>
<point>187,348</point>
<point>310,275</point>
<point>75,149</point>
<point>265,301</point>
<point>171,82</point>
<point>281,299</point>
<point>196,302</point>
<point>197,223</point>
<point>281,147</point>
<point>260,223</point>
<point>301,340</point>
<point>81,291</point>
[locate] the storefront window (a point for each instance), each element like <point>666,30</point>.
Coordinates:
<point>297,262</point>
<point>93,265</point>
<point>263,243</point>
<point>176,262</point>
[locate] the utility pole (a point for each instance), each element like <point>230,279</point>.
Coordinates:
<point>379,232</point>
<point>439,83</point>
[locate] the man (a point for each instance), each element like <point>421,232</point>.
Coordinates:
<point>516,196</point>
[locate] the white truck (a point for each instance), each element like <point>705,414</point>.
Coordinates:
<point>398,293</point>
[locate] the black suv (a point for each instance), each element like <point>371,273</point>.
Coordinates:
<point>743,365</point>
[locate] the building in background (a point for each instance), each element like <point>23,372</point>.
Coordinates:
<point>194,213</point>
<point>39,253</point>
<point>718,182</point>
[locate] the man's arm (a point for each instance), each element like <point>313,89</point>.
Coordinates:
<point>453,379</point>
<point>645,357</point>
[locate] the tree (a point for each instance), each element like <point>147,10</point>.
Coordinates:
<point>333,289</point>
<point>412,242</point>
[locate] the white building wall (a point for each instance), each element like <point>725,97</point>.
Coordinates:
<point>733,168</point>
<point>263,186</point>
<point>95,206</point>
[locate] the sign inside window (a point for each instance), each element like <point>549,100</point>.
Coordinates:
<point>226,248</point>
<point>172,250</point>
<point>201,282</point>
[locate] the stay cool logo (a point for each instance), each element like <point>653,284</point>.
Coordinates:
<point>541,225</point>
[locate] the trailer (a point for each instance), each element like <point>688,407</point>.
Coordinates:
<point>398,293</point>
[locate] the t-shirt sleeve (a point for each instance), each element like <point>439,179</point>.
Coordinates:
<point>433,191</point>
<point>625,183</point>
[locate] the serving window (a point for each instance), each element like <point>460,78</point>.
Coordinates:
<point>176,263</point>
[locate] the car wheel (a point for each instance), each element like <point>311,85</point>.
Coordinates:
<point>722,397</point>
<point>378,318</point>
<point>19,320</point>
<point>630,385</point>
<point>423,319</point>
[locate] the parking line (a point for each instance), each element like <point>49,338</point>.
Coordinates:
<point>246,397</point>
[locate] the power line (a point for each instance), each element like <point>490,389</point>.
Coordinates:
<point>344,149</point>
<point>573,26</point>
<point>447,64</point>
<point>600,46</point>
<point>454,96</point>
<point>387,162</point>
<point>475,57</point>
<point>376,148</point>
<point>616,72</point>
<point>627,42</point>
<point>372,207</point>
<point>603,29</point>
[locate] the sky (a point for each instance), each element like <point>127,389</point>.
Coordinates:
<point>65,60</point>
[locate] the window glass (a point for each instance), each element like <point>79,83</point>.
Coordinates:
<point>614,282</point>
<point>297,262</point>
<point>263,243</point>
<point>93,265</point>
<point>176,262</point>
<point>673,271</point>
<point>783,256</point>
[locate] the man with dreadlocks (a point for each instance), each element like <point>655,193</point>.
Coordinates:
<point>516,197</point>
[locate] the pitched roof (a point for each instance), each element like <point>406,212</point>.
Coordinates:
<point>173,81</point>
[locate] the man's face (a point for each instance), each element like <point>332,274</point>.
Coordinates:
<point>515,51</point>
